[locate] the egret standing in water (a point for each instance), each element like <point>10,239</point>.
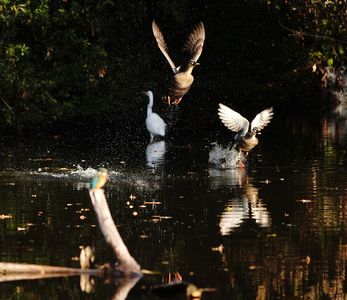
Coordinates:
<point>246,136</point>
<point>99,180</point>
<point>154,123</point>
<point>183,78</point>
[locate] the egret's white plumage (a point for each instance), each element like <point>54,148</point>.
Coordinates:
<point>154,123</point>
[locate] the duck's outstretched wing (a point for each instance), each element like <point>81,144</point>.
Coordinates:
<point>262,119</point>
<point>233,120</point>
<point>195,42</point>
<point>162,45</point>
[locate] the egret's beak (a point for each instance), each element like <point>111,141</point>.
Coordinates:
<point>144,92</point>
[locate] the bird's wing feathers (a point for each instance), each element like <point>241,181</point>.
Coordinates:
<point>162,45</point>
<point>262,119</point>
<point>233,120</point>
<point>195,42</point>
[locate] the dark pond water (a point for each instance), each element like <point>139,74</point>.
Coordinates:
<point>275,230</point>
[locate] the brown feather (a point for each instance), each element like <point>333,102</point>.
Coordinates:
<point>180,85</point>
<point>195,42</point>
<point>247,143</point>
<point>162,44</point>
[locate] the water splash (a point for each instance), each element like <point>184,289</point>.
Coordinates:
<point>81,177</point>
<point>77,172</point>
<point>224,157</point>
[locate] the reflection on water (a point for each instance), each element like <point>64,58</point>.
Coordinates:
<point>335,124</point>
<point>245,207</point>
<point>222,177</point>
<point>242,210</point>
<point>155,152</point>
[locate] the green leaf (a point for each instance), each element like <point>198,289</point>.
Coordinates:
<point>330,62</point>
<point>340,50</point>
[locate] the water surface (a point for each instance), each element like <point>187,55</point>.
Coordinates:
<point>276,229</point>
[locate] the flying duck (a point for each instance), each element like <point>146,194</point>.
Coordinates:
<point>182,79</point>
<point>246,135</point>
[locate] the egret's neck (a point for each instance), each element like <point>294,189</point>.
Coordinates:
<point>150,103</point>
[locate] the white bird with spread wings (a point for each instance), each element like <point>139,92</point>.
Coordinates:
<point>246,133</point>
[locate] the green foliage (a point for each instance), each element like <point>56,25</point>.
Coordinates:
<point>55,59</point>
<point>320,26</point>
<point>69,60</point>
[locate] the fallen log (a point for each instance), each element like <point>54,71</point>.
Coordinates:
<point>16,271</point>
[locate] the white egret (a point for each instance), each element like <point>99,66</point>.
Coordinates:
<point>154,123</point>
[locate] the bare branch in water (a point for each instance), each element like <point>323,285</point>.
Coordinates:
<point>126,263</point>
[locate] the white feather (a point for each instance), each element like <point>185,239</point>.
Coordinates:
<point>155,125</point>
<point>237,123</point>
<point>262,119</point>
<point>232,119</point>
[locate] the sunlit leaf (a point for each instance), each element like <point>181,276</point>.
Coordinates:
<point>341,50</point>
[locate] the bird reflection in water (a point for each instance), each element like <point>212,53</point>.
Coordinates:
<point>155,154</point>
<point>246,209</point>
<point>335,124</point>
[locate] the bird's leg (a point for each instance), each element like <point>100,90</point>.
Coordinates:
<point>152,137</point>
<point>177,101</point>
<point>166,100</point>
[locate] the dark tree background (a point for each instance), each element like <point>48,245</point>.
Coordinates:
<point>70,62</point>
